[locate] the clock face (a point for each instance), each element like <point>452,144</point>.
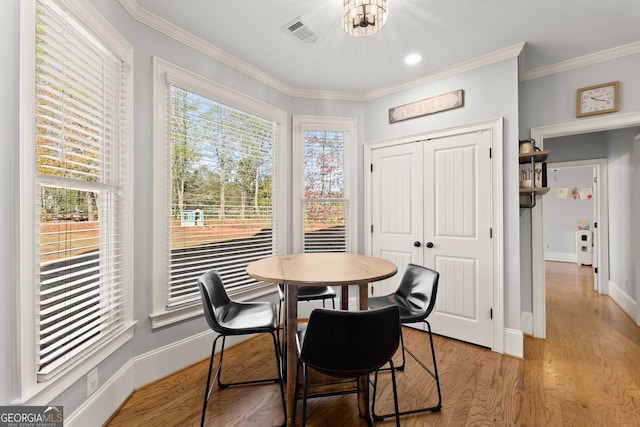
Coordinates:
<point>597,99</point>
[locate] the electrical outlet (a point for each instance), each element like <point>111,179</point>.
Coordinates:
<point>92,381</point>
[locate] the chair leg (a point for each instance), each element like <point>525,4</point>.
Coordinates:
<point>276,346</point>
<point>433,373</point>
<point>249,382</point>
<point>297,391</point>
<point>305,383</point>
<point>402,365</point>
<point>394,387</point>
<point>209,387</point>
<point>395,394</point>
<point>280,329</point>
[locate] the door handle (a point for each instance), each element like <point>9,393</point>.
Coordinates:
<point>429,245</point>
<point>416,243</point>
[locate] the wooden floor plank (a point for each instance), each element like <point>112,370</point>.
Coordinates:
<point>585,373</point>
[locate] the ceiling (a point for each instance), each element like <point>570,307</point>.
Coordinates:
<point>445,32</point>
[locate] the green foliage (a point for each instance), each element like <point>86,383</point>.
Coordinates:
<point>220,157</point>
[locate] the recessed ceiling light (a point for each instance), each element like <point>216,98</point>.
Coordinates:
<point>412,59</point>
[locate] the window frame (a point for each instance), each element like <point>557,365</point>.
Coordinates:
<point>348,125</point>
<point>28,389</point>
<point>166,74</point>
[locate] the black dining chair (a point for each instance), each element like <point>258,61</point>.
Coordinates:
<point>308,293</point>
<point>229,318</point>
<point>415,297</point>
<point>347,344</point>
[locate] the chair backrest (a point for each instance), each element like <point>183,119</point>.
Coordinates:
<point>419,286</point>
<point>350,343</point>
<point>214,298</point>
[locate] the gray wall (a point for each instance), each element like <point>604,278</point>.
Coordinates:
<point>561,215</point>
<point>622,221</point>
<point>551,100</point>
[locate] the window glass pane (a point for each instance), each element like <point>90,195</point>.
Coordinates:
<point>325,206</point>
<point>221,193</point>
<point>79,218</point>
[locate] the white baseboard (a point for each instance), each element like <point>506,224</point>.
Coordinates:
<point>140,371</point>
<point>621,298</point>
<point>513,339</point>
<point>97,409</point>
<point>513,343</point>
<point>560,256</point>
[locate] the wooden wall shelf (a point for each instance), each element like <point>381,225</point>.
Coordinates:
<point>528,194</point>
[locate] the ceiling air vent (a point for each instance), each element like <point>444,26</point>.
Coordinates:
<point>301,31</point>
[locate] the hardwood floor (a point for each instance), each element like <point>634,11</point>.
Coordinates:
<point>586,373</point>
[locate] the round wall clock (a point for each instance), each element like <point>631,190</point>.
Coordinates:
<point>597,99</point>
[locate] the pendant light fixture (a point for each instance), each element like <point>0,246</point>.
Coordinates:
<point>364,17</point>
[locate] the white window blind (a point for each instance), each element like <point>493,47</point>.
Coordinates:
<point>325,205</point>
<point>222,193</point>
<point>80,112</point>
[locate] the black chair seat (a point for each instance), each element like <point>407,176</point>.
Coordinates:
<point>237,318</point>
<point>409,313</point>
<point>310,293</point>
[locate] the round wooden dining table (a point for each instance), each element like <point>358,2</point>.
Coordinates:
<point>315,269</point>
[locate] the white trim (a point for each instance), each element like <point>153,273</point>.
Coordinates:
<point>181,35</point>
<point>44,393</point>
<point>597,124</point>
<point>28,390</point>
<point>140,371</point>
<point>626,303</point>
<point>455,69</point>
<point>347,125</point>
<point>147,18</point>
<point>582,61</point>
<point>514,343</point>
<point>497,194</point>
<point>164,75</point>
<point>560,256</point>
<point>636,151</point>
<point>26,350</point>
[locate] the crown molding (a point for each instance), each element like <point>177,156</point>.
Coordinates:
<point>461,67</point>
<point>179,34</point>
<point>582,61</point>
<point>151,20</point>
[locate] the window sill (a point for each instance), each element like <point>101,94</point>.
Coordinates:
<point>43,393</point>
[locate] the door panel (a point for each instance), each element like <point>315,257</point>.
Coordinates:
<point>438,193</point>
<point>396,203</point>
<point>458,222</point>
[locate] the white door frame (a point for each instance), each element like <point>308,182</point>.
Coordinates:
<point>604,123</point>
<point>600,214</point>
<point>636,150</point>
<point>502,338</point>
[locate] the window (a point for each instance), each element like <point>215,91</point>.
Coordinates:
<point>219,159</point>
<point>324,210</point>
<point>78,134</point>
